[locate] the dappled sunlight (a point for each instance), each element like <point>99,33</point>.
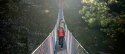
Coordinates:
<point>87,1</point>
<point>112,1</point>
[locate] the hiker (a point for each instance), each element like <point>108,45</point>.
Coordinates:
<point>61,23</point>
<point>61,35</point>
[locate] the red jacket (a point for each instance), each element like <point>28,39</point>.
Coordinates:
<point>61,32</point>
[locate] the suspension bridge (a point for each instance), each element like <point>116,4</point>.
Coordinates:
<point>50,44</point>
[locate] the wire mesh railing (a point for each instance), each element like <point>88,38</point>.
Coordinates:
<point>73,46</point>
<point>46,47</point>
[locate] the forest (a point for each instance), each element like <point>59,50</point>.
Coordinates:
<point>108,17</point>
<point>97,24</point>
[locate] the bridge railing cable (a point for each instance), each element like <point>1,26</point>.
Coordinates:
<point>73,46</point>
<point>45,47</point>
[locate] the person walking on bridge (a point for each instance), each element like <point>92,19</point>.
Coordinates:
<point>61,35</point>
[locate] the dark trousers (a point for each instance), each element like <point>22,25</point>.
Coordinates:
<point>61,41</point>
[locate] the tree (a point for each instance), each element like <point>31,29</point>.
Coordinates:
<point>94,12</point>
<point>109,15</point>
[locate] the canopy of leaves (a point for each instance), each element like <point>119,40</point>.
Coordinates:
<point>109,15</point>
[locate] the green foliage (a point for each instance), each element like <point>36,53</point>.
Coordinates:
<point>112,1</point>
<point>109,15</point>
<point>94,11</point>
<point>104,22</point>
